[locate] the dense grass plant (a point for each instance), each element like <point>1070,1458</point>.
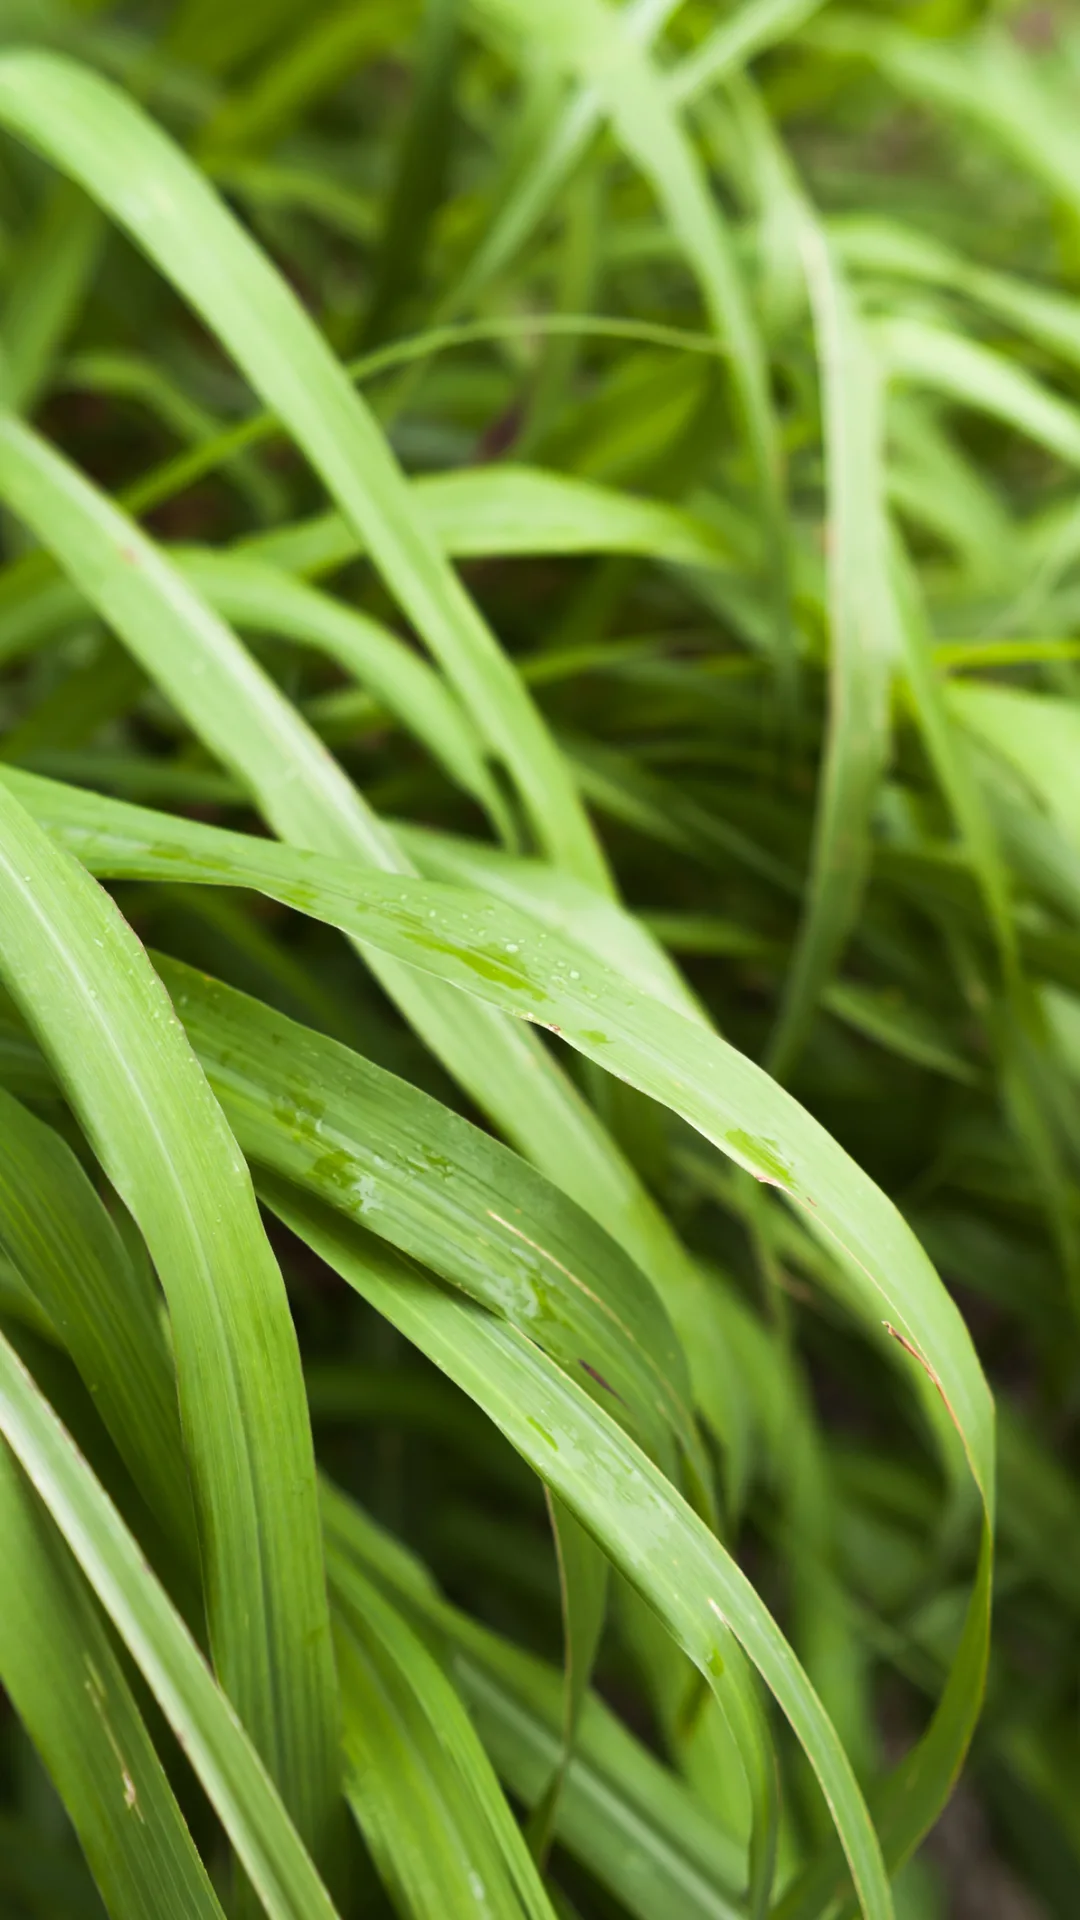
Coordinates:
<point>539,960</point>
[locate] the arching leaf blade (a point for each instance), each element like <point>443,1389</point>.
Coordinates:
<point>89,994</point>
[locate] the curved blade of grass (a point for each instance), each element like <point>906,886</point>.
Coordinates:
<point>94,132</point>
<point>862,640</point>
<point>588,36</point>
<point>421,1786</point>
<point>57,1234</point>
<point>480,512</point>
<point>132,376</point>
<point>229,1769</point>
<point>64,1681</point>
<point>558,901</point>
<point>975,376</point>
<point>510,961</point>
<point>52,282</point>
<point>238,712</point>
<point>738,39</point>
<point>583,1602</point>
<point>712,1087</point>
<point>443,1191</point>
<point>661,1858</point>
<point>547,170</point>
<point>620,1812</point>
<point>251,594</point>
<point>88,992</point>
<point>658,1544</point>
<point>1049,318</point>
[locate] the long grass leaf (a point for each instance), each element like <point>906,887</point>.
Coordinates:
<point>862,642</point>
<point>227,1765</point>
<point>510,961</point>
<point>591,40</point>
<point>238,712</point>
<point>975,376</point>
<point>59,1237</point>
<point>444,1192</point>
<point>620,1812</point>
<point>480,512</point>
<point>95,133</point>
<point>65,1682</point>
<point>421,1786</point>
<point>88,992</point>
<point>669,1555</point>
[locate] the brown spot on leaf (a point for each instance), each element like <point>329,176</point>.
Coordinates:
<point>600,1381</point>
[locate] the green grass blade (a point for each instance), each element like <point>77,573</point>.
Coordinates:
<point>558,901</point>
<point>655,1541</point>
<point>257,597</point>
<point>100,137</point>
<point>422,1788</point>
<point>57,1234</point>
<point>510,961</point>
<point>87,990</point>
<point>590,39</point>
<point>583,1602</point>
<point>58,262</point>
<point>972,375</point>
<point>861,640</point>
<point>444,1192</point>
<point>238,712</point>
<point>63,1679</point>
<point>747,32</point>
<point>480,512</point>
<point>227,1765</point>
<point>620,1812</point>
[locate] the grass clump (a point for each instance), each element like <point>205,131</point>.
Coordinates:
<point>539,960</point>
